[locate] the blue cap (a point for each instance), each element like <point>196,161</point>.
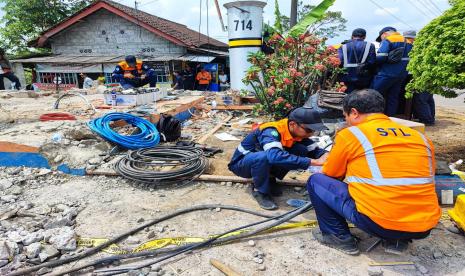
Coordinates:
<point>385,29</point>
<point>359,32</point>
<point>308,117</point>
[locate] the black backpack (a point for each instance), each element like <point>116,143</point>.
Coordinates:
<point>362,68</point>
<point>169,128</point>
<point>396,55</point>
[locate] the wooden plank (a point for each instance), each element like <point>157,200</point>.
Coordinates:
<point>227,270</point>
<point>213,130</point>
<point>234,107</point>
<point>13,147</point>
<point>237,179</point>
<point>213,178</point>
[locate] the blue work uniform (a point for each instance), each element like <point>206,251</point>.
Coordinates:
<point>141,68</point>
<point>390,76</point>
<point>263,157</point>
<point>352,54</point>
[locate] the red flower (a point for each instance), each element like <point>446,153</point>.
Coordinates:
<point>287,81</point>
<point>290,40</point>
<point>299,74</point>
<point>319,67</point>
<point>288,106</point>
<point>310,49</point>
<point>334,61</point>
<point>271,90</point>
<point>278,101</point>
<point>342,89</point>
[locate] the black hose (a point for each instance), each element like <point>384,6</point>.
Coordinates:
<point>146,165</point>
<point>187,248</point>
<point>119,238</point>
<point>217,239</point>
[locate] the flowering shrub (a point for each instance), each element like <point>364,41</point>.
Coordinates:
<point>299,67</point>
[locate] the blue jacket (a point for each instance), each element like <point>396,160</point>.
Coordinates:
<point>269,140</point>
<point>141,68</point>
<point>356,46</point>
<point>390,43</point>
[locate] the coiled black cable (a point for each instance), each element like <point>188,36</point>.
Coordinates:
<point>163,165</point>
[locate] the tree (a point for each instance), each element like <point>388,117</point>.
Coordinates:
<point>329,26</point>
<point>437,60</point>
<point>24,20</point>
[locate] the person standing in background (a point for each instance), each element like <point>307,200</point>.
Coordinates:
<point>88,82</point>
<point>7,72</point>
<point>204,78</point>
<point>223,78</point>
<point>188,78</point>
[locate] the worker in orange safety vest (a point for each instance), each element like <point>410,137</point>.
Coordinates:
<point>379,175</point>
<point>204,77</point>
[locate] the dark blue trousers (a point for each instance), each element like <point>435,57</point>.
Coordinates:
<point>333,206</point>
<point>351,86</point>
<point>390,88</point>
<point>424,107</point>
<point>150,78</point>
<point>255,165</point>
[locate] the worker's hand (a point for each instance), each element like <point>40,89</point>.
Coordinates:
<point>320,161</point>
<point>142,77</point>
<point>128,76</point>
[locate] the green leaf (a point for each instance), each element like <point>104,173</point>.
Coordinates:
<point>277,20</point>
<point>314,15</point>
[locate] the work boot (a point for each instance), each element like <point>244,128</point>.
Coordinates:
<point>265,201</point>
<point>275,189</point>
<point>347,245</point>
<point>397,247</point>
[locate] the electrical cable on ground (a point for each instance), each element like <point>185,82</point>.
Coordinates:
<point>186,163</point>
<point>218,240</point>
<point>71,94</point>
<point>92,251</point>
<point>147,137</point>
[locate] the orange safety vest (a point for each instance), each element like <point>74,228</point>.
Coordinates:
<point>127,69</point>
<point>390,172</point>
<point>283,129</point>
<point>204,77</point>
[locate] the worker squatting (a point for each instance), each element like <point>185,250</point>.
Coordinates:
<point>379,175</point>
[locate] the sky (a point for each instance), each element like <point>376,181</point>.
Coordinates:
<point>371,15</point>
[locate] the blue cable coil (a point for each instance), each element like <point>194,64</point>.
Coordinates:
<point>147,137</point>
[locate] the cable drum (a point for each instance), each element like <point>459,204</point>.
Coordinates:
<point>163,165</point>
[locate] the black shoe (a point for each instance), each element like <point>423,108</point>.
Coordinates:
<point>397,247</point>
<point>265,201</point>
<point>275,188</point>
<point>348,245</point>
<point>276,191</point>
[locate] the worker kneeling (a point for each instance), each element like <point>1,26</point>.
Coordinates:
<point>388,173</point>
<point>133,73</point>
<point>270,151</point>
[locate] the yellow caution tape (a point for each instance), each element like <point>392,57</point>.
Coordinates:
<point>178,241</point>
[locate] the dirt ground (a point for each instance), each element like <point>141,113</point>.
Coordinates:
<point>109,206</point>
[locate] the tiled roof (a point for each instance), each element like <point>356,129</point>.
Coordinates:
<point>181,32</point>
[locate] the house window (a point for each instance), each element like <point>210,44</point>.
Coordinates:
<point>162,78</point>
<point>63,78</point>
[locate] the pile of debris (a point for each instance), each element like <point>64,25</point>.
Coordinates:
<point>29,233</point>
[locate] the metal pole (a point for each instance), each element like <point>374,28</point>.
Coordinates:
<point>293,19</point>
